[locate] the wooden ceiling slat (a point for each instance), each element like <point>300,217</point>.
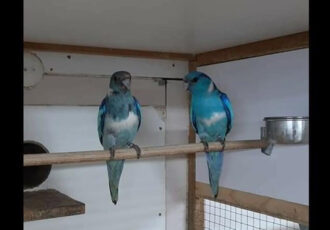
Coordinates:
<point>255,49</point>
<point>106,51</point>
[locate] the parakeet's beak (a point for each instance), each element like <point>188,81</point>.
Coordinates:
<point>127,83</point>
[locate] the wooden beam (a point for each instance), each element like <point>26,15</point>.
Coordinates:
<point>255,49</point>
<point>199,214</point>
<point>191,169</point>
<point>62,48</point>
<point>146,152</point>
<point>270,206</point>
<point>45,204</point>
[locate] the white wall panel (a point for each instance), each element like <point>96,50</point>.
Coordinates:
<point>272,85</point>
<point>142,185</point>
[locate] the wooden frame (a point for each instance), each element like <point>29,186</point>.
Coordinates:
<point>63,48</point>
<point>191,169</point>
<point>255,49</point>
<point>270,206</point>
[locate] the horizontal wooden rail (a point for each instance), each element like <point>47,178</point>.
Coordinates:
<point>63,48</point>
<point>255,49</point>
<point>267,205</point>
<point>102,155</point>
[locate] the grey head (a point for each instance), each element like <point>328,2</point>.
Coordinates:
<point>120,81</point>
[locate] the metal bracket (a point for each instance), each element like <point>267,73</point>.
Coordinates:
<point>160,81</point>
<point>269,148</point>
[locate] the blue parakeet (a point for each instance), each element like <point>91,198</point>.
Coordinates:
<point>212,116</point>
<point>118,122</point>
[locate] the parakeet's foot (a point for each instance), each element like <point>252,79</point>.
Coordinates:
<point>137,149</point>
<point>206,146</point>
<point>223,143</point>
<point>112,153</point>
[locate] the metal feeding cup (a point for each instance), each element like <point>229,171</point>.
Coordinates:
<point>285,130</point>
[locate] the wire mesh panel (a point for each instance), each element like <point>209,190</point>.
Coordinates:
<point>221,216</point>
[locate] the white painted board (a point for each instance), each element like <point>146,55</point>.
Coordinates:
<point>98,64</point>
<point>177,126</point>
<point>272,85</point>
<point>142,185</point>
<point>64,90</point>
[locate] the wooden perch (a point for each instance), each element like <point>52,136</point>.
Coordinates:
<point>102,155</point>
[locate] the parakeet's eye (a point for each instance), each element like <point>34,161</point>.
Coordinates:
<point>194,80</point>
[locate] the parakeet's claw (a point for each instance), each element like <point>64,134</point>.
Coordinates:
<point>137,149</point>
<point>206,146</point>
<point>112,153</point>
<point>223,143</point>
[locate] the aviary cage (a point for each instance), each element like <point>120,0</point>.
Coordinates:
<point>232,209</point>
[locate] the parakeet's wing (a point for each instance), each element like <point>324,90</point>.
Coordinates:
<point>228,110</point>
<point>138,110</point>
<point>193,119</point>
<point>100,118</point>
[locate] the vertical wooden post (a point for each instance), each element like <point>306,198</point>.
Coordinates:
<point>199,213</point>
<point>191,169</point>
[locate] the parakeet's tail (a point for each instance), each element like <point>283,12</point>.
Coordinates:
<point>115,169</point>
<point>214,164</point>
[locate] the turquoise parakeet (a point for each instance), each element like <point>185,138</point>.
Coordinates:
<point>118,122</point>
<point>212,117</point>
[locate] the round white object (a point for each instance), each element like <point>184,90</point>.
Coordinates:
<point>33,69</point>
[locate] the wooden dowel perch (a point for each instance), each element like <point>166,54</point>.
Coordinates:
<point>102,155</point>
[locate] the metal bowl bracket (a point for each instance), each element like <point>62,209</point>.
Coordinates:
<point>269,148</point>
